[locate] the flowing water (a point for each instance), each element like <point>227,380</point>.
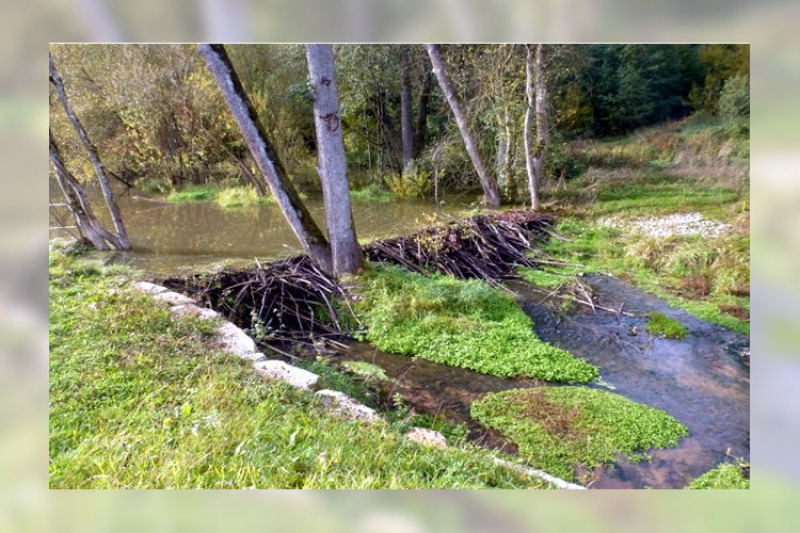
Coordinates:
<point>701,380</point>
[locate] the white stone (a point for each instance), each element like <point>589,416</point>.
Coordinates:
<point>278,370</point>
<point>152,288</point>
<point>193,310</point>
<point>427,437</point>
<point>346,407</point>
<point>232,339</point>
<point>173,298</point>
<point>555,481</point>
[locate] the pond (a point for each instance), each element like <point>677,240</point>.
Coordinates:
<point>169,239</point>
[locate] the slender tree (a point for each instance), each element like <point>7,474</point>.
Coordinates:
<point>78,203</point>
<point>405,110</point>
<point>308,233</point>
<point>347,254</point>
<point>491,196</point>
<point>116,216</point>
<point>536,93</point>
<point>421,126</point>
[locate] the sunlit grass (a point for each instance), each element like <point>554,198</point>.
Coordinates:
<point>139,400</point>
<point>466,324</point>
<point>561,429</point>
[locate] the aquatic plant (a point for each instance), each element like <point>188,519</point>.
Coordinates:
<point>564,430</point>
<point>463,323</point>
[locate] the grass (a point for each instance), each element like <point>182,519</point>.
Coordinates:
<point>659,324</point>
<point>667,268</point>
<point>725,476</point>
<point>371,194</point>
<point>194,193</point>
<point>568,430</point>
<point>466,324</point>
<point>693,165</point>
<point>234,197</point>
<point>138,400</point>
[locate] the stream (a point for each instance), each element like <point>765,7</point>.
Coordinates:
<point>703,380</point>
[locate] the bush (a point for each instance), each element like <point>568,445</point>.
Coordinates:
<point>734,100</point>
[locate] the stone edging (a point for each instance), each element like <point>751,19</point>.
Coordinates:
<point>232,339</point>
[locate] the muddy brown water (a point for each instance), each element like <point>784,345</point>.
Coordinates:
<point>169,239</point>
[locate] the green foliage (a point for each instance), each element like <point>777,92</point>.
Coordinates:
<point>545,278</point>
<point>661,269</point>
<point>467,324</point>
<point>139,400</point>
<point>414,184</point>
<point>660,324</point>
<point>194,193</point>
<point>559,429</point>
<point>365,370</point>
<point>371,193</point>
<point>725,476</point>
<point>237,197</point>
<point>734,100</point>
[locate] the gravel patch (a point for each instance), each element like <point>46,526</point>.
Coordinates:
<point>678,224</point>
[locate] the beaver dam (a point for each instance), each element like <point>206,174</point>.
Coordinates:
<point>298,311</point>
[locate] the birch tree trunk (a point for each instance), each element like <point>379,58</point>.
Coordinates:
<point>116,216</point>
<point>308,233</point>
<point>332,167</point>
<point>78,203</point>
<point>491,196</point>
<point>542,119</point>
<point>536,94</point>
<point>405,111</point>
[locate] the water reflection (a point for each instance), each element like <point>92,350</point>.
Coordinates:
<point>169,238</point>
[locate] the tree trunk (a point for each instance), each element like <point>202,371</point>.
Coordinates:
<point>78,203</point>
<point>491,196</point>
<point>533,183</point>
<point>421,129</point>
<point>308,233</point>
<point>405,111</point>
<point>542,119</point>
<point>332,168</point>
<point>116,216</point>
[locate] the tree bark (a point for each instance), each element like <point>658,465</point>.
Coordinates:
<point>116,216</point>
<point>308,233</point>
<point>332,168</point>
<point>405,110</point>
<point>491,195</point>
<point>421,128</point>
<point>78,203</point>
<point>542,119</point>
<point>533,183</point>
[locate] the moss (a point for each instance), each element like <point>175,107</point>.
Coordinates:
<point>660,324</point>
<point>563,430</point>
<point>725,476</point>
<point>467,324</point>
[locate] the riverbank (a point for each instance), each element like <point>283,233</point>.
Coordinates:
<point>138,399</point>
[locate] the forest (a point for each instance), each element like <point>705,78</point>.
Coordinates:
<point>435,266</point>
